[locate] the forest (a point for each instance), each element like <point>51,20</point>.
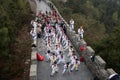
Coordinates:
<point>15,43</point>
<point>101,21</point>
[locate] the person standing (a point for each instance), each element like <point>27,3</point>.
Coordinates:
<point>60,58</point>
<point>57,50</point>
<point>48,55</point>
<point>66,68</point>
<point>54,69</point>
<point>52,59</point>
<point>38,30</point>
<point>81,31</point>
<point>71,24</point>
<point>72,59</point>
<point>71,50</point>
<point>75,65</point>
<point>64,28</point>
<point>34,36</point>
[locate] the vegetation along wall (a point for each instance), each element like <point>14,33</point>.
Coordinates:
<point>15,44</point>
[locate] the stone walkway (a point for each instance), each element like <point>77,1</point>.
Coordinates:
<point>42,6</point>
<point>43,67</point>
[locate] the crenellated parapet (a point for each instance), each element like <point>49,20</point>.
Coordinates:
<point>33,67</point>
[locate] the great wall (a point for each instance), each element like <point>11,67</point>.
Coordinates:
<point>96,67</point>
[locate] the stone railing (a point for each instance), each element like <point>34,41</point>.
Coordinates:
<point>97,67</point>
<point>33,65</point>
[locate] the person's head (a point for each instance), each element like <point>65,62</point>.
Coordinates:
<point>71,46</point>
<point>81,26</point>
<point>60,52</point>
<point>55,62</point>
<point>48,51</point>
<point>73,52</point>
<point>53,53</point>
<point>77,59</point>
<point>67,63</point>
<point>57,46</point>
<point>32,28</point>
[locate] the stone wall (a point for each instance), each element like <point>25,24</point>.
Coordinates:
<point>33,66</point>
<point>97,67</point>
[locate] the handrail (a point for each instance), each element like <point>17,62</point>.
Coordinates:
<point>33,66</point>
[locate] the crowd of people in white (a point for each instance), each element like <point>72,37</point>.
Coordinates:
<point>53,30</point>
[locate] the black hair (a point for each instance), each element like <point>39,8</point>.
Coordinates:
<point>55,62</point>
<point>60,52</point>
<point>71,46</point>
<point>53,53</point>
<point>48,51</point>
<point>73,52</point>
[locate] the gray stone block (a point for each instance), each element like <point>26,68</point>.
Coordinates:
<point>77,37</point>
<point>92,67</point>
<point>82,42</point>
<point>103,74</point>
<point>100,62</point>
<point>33,72</point>
<point>90,51</point>
<point>73,32</point>
<point>110,71</point>
<point>33,78</point>
<point>73,37</point>
<point>33,55</point>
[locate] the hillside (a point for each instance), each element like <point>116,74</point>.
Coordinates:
<point>15,43</point>
<point>100,19</point>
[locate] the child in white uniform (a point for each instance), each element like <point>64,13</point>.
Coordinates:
<point>73,58</point>
<point>70,51</point>
<point>52,59</point>
<point>48,55</point>
<point>57,49</point>
<point>80,32</point>
<point>54,69</point>
<point>66,68</point>
<point>71,24</point>
<point>60,58</point>
<point>75,65</point>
